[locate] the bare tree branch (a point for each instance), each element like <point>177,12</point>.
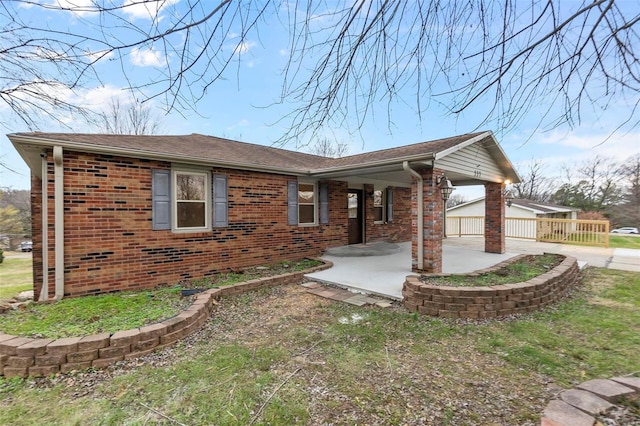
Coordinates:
<point>135,119</point>
<point>546,59</point>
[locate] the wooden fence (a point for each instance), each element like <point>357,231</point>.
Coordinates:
<point>587,232</point>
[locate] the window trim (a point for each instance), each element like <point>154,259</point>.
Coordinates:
<point>174,199</point>
<point>315,204</point>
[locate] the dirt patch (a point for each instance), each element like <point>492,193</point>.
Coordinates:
<point>405,382</point>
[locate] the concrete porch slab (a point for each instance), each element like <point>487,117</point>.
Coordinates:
<point>381,268</point>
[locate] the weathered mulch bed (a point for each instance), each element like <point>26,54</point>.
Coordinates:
<point>522,270</point>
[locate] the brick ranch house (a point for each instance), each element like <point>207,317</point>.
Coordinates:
<point>131,212</point>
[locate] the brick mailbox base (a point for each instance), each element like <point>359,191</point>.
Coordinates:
<point>24,357</point>
<point>494,301</point>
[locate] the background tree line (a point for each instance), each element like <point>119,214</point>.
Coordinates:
<point>601,188</point>
<point>15,216</point>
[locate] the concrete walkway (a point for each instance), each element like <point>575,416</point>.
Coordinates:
<point>381,268</point>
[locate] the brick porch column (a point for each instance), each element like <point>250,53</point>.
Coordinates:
<point>494,228</point>
<point>433,223</point>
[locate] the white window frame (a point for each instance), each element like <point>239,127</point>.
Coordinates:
<point>174,199</point>
<point>383,201</point>
<point>315,204</point>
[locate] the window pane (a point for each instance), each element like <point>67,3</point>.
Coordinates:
<point>305,193</point>
<point>377,198</point>
<point>353,206</point>
<point>377,214</point>
<point>306,214</point>
<point>191,215</point>
<point>190,187</point>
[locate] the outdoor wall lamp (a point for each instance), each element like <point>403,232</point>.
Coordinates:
<point>445,187</point>
<point>508,195</point>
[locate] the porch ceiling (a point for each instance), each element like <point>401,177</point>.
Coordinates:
<point>395,175</point>
<point>472,162</point>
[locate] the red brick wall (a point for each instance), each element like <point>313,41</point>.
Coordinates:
<point>432,219</point>
<point>110,244</point>
<point>36,238</point>
<point>494,228</point>
<point>399,229</point>
<point>493,301</point>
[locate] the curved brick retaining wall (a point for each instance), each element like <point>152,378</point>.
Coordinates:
<point>23,356</point>
<point>494,301</point>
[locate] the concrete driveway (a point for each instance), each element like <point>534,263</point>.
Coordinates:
<point>381,268</point>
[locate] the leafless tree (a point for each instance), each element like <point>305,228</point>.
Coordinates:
<point>325,147</point>
<point>455,200</point>
<point>135,119</point>
<point>627,213</point>
<point>535,185</point>
<point>550,58</point>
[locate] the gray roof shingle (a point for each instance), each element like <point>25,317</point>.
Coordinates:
<point>214,149</point>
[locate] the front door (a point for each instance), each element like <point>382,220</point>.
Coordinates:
<point>355,216</point>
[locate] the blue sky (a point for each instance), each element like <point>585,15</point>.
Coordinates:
<point>244,106</point>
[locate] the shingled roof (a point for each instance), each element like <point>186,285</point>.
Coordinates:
<point>216,150</point>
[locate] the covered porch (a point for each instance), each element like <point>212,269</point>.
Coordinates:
<point>381,268</point>
<point>400,195</point>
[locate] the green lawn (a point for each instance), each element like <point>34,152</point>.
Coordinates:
<point>16,275</point>
<point>624,241</point>
<point>83,316</point>
<point>284,356</point>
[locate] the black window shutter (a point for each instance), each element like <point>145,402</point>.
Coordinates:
<point>161,199</point>
<point>324,203</point>
<point>220,201</point>
<point>389,204</point>
<point>292,203</point>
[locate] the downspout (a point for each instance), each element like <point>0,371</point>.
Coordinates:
<point>420,213</point>
<point>59,221</point>
<point>44,291</point>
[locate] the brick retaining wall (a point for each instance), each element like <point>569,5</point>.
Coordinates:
<point>494,301</point>
<point>23,356</point>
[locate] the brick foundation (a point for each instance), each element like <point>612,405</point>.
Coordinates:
<point>494,301</point>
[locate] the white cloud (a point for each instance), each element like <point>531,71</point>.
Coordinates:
<point>558,151</point>
<point>99,55</point>
<point>244,47</point>
<point>138,9</point>
<point>617,146</point>
<point>99,97</point>
<point>146,57</point>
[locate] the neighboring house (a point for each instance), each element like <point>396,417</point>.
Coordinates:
<point>467,218</point>
<point>132,212</point>
<point>520,208</point>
